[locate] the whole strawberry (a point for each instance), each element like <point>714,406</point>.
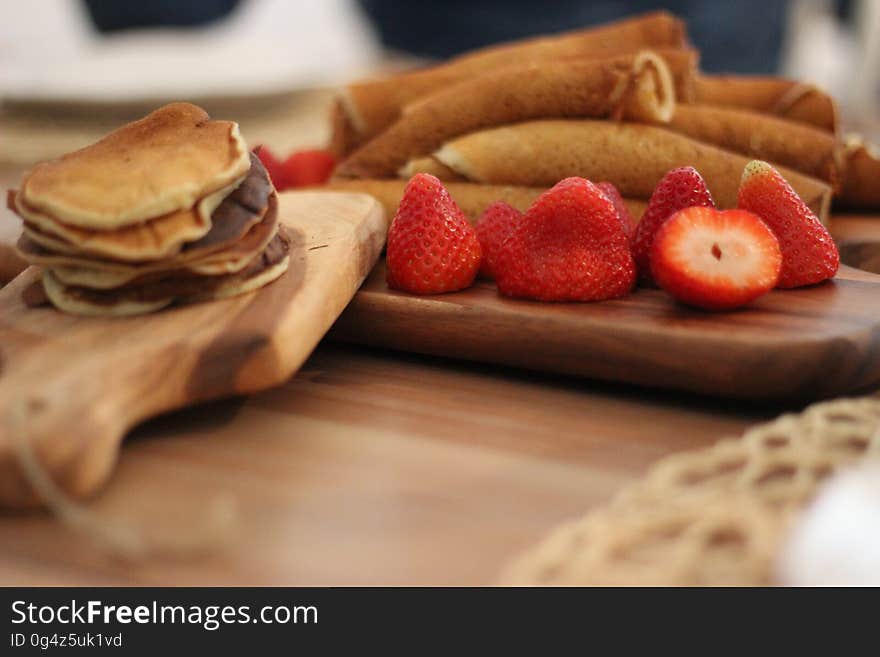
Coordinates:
<point>680,188</point>
<point>493,228</point>
<point>809,255</point>
<point>308,167</point>
<point>569,246</point>
<point>626,219</point>
<point>432,248</point>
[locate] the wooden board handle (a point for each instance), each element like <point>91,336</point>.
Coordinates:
<point>73,386</point>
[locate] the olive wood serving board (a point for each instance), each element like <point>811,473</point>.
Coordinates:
<point>73,386</point>
<point>799,344</point>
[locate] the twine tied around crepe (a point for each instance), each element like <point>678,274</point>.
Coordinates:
<point>714,516</point>
<point>117,537</point>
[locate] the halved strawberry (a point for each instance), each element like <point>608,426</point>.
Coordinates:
<point>569,246</point>
<point>680,188</point>
<point>493,228</point>
<point>715,260</point>
<point>809,254</point>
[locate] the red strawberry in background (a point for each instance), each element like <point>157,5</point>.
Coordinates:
<point>274,167</point>
<point>309,167</point>
<point>678,189</point>
<point>569,246</point>
<point>809,254</point>
<point>432,248</point>
<point>715,260</point>
<point>493,228</point>
<point>626,219</point>
<point>301,169</point>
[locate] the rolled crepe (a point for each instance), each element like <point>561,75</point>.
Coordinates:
<point>343,138</point>
<point>861,180</point>
<point>370,106</point>
<point>472,198</point>
<point>634,157</point>
<point>789,99</point>
<point>638,87</point>
<point>432,165</point>
<point>799,146</point>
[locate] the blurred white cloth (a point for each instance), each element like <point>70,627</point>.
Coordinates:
<point>50,51</point>
<point>836,542</point>
<point>842,59</point>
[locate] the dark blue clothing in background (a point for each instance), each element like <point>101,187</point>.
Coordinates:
<point>742,36</point>
<point>115,15</point>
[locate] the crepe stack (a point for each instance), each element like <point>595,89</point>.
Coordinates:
<point>170,208</point>
<point>624,102</point>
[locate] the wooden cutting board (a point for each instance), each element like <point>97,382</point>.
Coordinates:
<point>73,386</point>
<point>800,344</point>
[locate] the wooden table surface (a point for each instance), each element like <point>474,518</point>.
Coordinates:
<point>373,467</point>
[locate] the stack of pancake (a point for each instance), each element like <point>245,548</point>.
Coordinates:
<point>623,102</point>
<point>170,208</point>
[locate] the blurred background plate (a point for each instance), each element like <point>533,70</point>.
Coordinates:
<point>62,51</point>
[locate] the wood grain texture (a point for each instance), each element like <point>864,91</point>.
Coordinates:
<point>73,386</point>
<point>371,467</point>
<point>803,344</point>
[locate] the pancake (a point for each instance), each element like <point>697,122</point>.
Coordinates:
<point>271,265</point>
<point>154,295</point>
<point>233,288</point>
<point>633,157</point>
<point>366,108</point>
<point>152,240</point>
<point>70,302</point>
<point>158,165</point>
<point>232,258</point>
<point>241,226</point>
<point>100,279</point>
<point>229,261</point>
<point>249,205</point>
<point>638,86</point>
<point>140,243</point>
<point>472,198</point>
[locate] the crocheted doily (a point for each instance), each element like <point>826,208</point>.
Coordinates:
<point>714,516</point>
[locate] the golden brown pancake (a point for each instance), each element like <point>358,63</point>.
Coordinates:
<point>155,239</point>
<point>210,258</point>
<point>271,265</point>
<point>152,295</point>
<point>244,208</point>
<point>70,302</point>
<point>160,164</point>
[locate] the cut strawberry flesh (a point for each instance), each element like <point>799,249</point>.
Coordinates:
<point>715,260</point>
